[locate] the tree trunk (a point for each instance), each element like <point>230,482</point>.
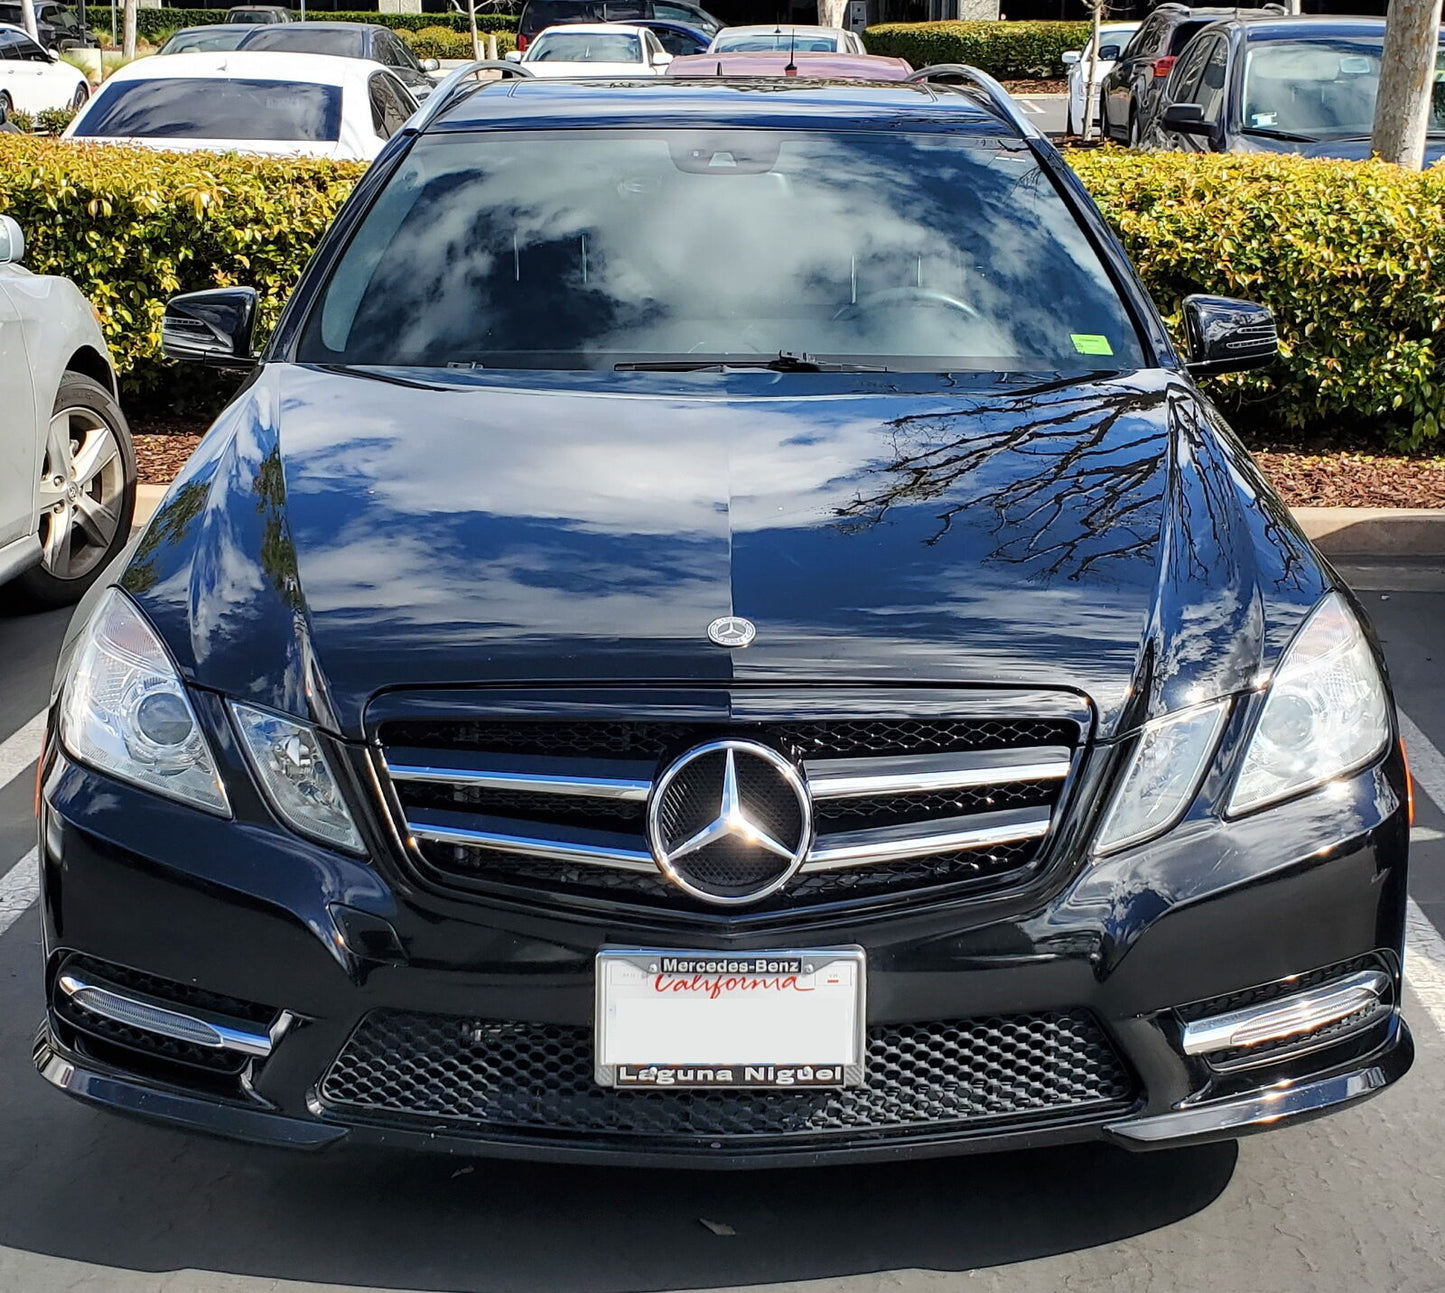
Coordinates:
<point>1407,77</point>
<point>128,23</point>
<point>27,16</point>
<point>476,39</point>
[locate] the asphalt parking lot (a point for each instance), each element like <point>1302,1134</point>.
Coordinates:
<point>90,1202</point>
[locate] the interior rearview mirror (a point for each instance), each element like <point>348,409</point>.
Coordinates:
<point>1186,119</point>
<point>213,327</point>
<point>12,241</point>
<point>1227,336</point>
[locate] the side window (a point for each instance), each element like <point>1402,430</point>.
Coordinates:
<point>9,45</point>
<point>1147,40</point>
<point>677,43</point>
<point>28,51</point>
<point>1211,85</point>
<point>402,55</point>
<point>390,106</point>
<point>1184,82</point>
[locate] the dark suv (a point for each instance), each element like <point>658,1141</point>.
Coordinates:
<point>57,25</point>
<point>1130,93</point>
<point>622,682</point>
<point>1298,85</point>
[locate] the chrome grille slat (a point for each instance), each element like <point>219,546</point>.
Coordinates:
<point>917,773</point>
<point>914,804</point>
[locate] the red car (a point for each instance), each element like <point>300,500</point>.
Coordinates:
<point>815,66</point>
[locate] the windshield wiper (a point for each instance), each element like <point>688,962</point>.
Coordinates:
<point>785,361</point>
<point>1286,135</point>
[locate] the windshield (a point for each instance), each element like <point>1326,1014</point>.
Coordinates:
<point>588,249</point>
<point>1321,88</point>
<point>299,38</point>
<point>200,40</point>
<point>582,47</point>
<point>213,108</point>
<point>811,43</point>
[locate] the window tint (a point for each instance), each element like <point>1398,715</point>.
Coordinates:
<point>28,51</point>
<point>678,43</point>
<point>1211,85</point>
<point>205,108</point>
<point>302,38</point>
<point>538,249</point>
<point>388,109</point>
<point>769,42</point>
<point>199,39</point>
<point>1184,80</point>
<point>1148,40</point>
<point>9,45</point>
<point>1184,33</point>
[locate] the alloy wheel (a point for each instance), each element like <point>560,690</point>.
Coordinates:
<point>82,481</point>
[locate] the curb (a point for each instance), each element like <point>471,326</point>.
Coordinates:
<point>1335,531</point>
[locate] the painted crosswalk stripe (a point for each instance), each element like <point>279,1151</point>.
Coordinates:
<point>19,887</point>
<point>20,750</point>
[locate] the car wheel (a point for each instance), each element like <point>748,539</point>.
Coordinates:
<point>1136,140</point>
<point>86,493</point>
<point>7,106</point>
<point>77,100</point>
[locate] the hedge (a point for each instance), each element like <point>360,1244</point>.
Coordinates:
<point>1007,50</point>
<point>443,42</point>
<point>132,227</point>
<point>1348,254</point>
<point>151,22</point>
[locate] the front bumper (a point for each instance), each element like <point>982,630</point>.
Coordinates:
<point>245,910</point>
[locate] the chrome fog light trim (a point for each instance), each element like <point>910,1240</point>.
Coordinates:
<point>1296,1015</point>
<point>151,1017</point>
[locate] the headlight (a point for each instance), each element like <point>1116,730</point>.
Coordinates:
<point>1165,769</point>
<point>292,769</point>
<point>1326,712</point>
<point>125,711</point>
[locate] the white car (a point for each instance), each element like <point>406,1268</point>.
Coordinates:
<point>771,38</point>
<point>67,465</point>
<point>1113,36</point>
<point>594,49</point>
<point>313,105</point>
<point>34,80</point>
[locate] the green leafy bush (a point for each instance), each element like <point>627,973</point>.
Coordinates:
<point>133,227</point>
<point>151,22</point>
<point>1007,50</point>
<point>1347,254</point>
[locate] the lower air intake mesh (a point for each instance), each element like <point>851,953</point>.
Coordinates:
<point>921,1078</point>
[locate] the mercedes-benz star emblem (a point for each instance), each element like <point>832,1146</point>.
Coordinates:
<point>732,631</point>
<point>730,821</point>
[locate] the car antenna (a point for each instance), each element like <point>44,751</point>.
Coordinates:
<point>792,68</point>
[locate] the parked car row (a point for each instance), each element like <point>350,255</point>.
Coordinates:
<point>1242,80</point>
<point>33,79</point>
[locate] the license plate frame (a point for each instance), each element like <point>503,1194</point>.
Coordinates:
<point>621,980</point>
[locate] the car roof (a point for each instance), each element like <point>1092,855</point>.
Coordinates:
<point>1309,24</point>
<point>688,102</point>
<point>787,28</point>
<point>809,64</point>
<point>589,29</point>
<point>261,65</point>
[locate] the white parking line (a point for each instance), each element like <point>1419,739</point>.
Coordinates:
<point>19,887</point>
<point>19,750</point>
<point>1424,948</point>
<point>1028,105</point>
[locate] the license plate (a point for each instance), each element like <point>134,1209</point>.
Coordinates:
<point>685,1020</point>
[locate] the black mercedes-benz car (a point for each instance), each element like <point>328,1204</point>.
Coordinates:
<point>720,630</point>
<point>1295,85</point>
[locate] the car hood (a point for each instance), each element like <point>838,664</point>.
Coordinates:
<point>337,535</point>
<point>1355,148</point>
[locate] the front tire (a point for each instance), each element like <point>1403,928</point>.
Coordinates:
<point>86,493</point>
<point>7,106</point>
<point>79,98</point>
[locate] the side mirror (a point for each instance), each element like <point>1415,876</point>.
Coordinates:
<point>1070,56</point>
<point>662,59</point>
<point>1110,54</point>
<point>12,241</point>
<point>212,327</point>
<point>513,56</point>
<point>1186,119</point>
<point>1227,336</point>
<point>431,65</point>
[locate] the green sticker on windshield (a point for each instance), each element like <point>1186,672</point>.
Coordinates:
<point>1087,343</point>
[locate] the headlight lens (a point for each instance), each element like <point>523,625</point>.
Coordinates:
<point>291,767</point>
<point>1163,775</point>
<point>1326,712</point>
<point>125,711</point>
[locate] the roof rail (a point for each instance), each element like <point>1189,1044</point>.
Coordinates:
<point>998,98</point>
<point>440,99</point>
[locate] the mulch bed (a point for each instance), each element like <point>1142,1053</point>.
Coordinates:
<point>1036,87</point>
<point>1303,479</point>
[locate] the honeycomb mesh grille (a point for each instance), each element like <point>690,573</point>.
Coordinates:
<point>537,1078</point>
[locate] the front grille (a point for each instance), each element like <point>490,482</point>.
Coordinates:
<point>922,1078</point>
<point>499,805</point>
